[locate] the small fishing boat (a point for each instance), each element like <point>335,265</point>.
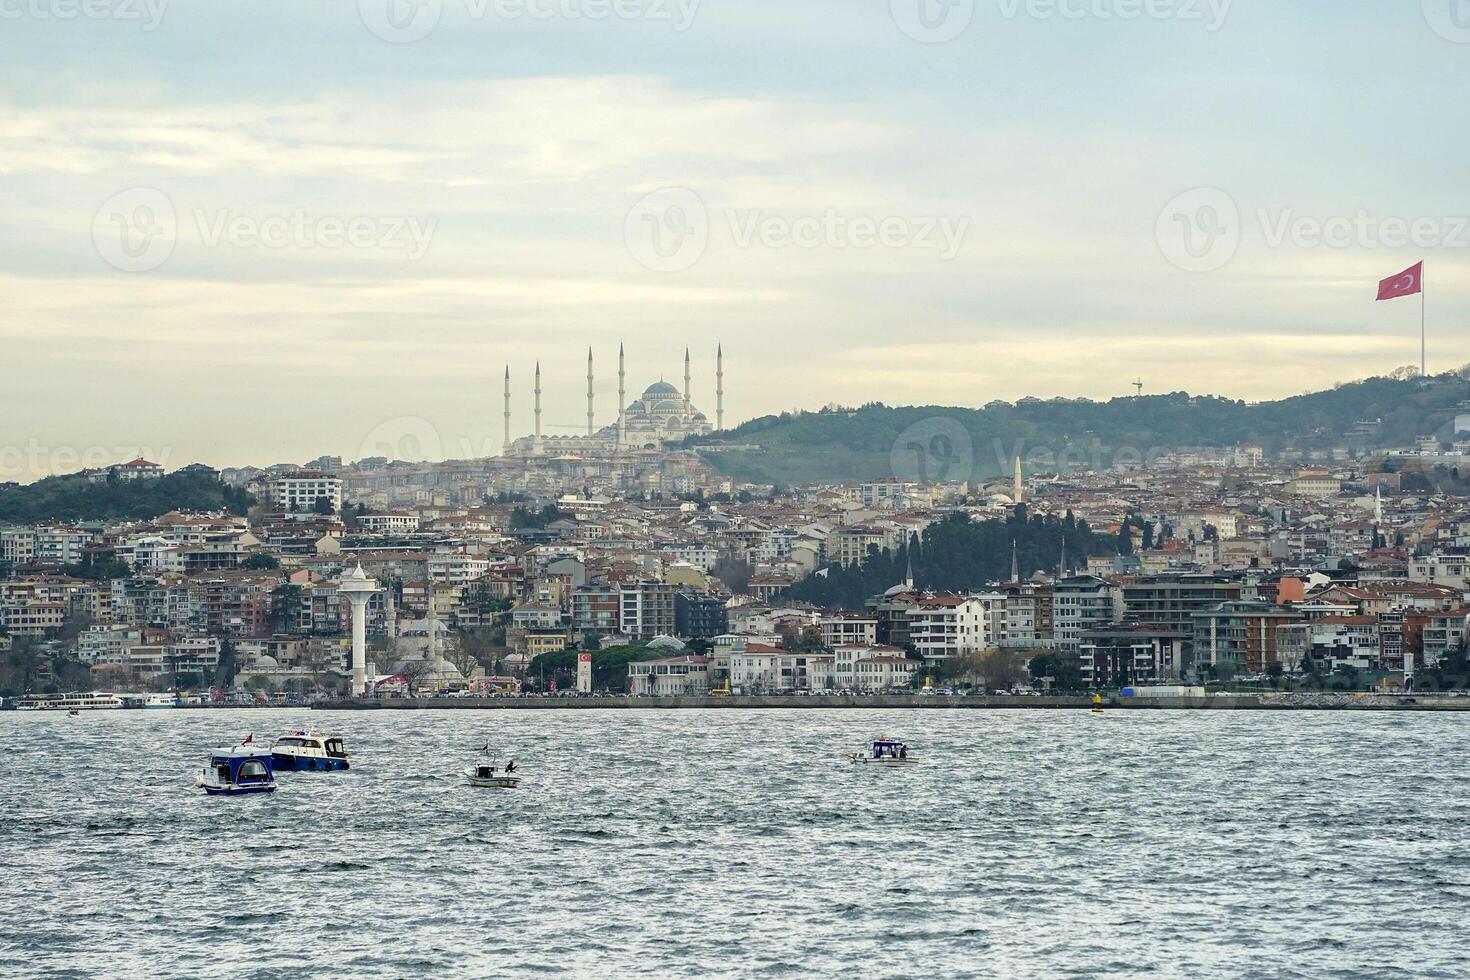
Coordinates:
<point>245,768</point>
<point>487,774</point>
<point>74,713</point>
<point>885,752</point>
<point>309,752</point>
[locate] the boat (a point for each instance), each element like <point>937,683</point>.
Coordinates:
<point>238,770</point>
<point>76,700</point>
<point>160,701</point>
<point>885,752</point>
<point>74,713</point>
<point>309,752</point>
<point>485,774</point>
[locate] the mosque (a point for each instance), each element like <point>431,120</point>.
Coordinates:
<point>660,416</point>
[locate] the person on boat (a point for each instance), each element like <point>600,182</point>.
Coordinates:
<point>510,767</point>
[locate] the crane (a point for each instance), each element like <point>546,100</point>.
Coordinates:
<point>1138,386</point>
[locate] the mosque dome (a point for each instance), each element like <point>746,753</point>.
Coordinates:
<point>667,406</point>
<point>659,389</point>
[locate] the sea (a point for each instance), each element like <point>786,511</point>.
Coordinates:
<point>743,843</point>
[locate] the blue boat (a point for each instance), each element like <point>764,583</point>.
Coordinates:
<point>309,752</point>
<point>246,768</point>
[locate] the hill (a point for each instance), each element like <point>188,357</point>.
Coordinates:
<point>75,498</point>
<point>943,443</point>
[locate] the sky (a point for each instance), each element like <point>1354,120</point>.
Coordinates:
<point>259,232</point>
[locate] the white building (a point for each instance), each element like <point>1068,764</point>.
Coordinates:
<point>946,626</point>
<point>297,493</point>
<point>671,677</point>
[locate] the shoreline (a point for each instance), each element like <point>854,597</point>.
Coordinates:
<point>1247,702</point>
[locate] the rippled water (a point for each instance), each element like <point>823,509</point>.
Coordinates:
<point>1027,843</point>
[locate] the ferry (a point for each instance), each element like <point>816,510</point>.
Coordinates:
<point>885,752</point>
<point>484,774</point>
<point>309,752</point>
<point>77,700</point>
<point>160,701</point>
<point>245,768</point>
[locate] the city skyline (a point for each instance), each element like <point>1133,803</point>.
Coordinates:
<point>294,259</point>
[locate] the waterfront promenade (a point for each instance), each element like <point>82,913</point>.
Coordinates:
<point>1243,702</point>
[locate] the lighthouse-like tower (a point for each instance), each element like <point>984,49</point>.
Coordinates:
<point>687,399</point>
<point>358,589</point>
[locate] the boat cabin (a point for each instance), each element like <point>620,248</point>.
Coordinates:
<point>887,749</point>
<point>242,769</point>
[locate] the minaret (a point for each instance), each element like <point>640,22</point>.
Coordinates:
<point>1377,506</point>
<point>536,442</point>
<point>719,388</point>
<point>505,445</point>
<point>1062,567</point>
<point>589,391</point>
<point>1016,490</point>
<point>686,377</point>
<point>622,402</point>
<point>1015,567</point>
<point>432,653</point>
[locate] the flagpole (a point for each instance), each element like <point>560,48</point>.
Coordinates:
<point>1423,300</point>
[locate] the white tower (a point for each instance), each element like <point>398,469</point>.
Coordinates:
<point>433,653</point>
<point>536,441</point>
<point>589,391</point>
<point>686,376</point>
<point>622,402</point>
<point>505,445</point>
<point>358,589</point>
<point>1017,489</point>
<point>719,388</point>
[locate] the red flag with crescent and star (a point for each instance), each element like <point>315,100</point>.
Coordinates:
<point>1406,283</point>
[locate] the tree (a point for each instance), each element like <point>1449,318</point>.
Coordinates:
<point>1002,669</point>
<point>224,671</point>
<point>323,506</point>
<point>1064,671</point>
<point>260,561</point>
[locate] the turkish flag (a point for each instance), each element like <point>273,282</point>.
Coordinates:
<point>1406,283</point>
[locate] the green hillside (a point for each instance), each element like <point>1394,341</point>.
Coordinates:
<point>939,443</point>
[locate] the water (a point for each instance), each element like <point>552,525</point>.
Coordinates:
<point>723,842</point>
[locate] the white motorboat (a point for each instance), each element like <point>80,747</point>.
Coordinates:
<point>885,752</point>
<point>309,752</point>
<point>487,773</point>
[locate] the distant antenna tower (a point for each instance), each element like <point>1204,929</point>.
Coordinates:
<point>1138,386</point>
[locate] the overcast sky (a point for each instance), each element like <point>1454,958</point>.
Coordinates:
<point>256,232</point>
